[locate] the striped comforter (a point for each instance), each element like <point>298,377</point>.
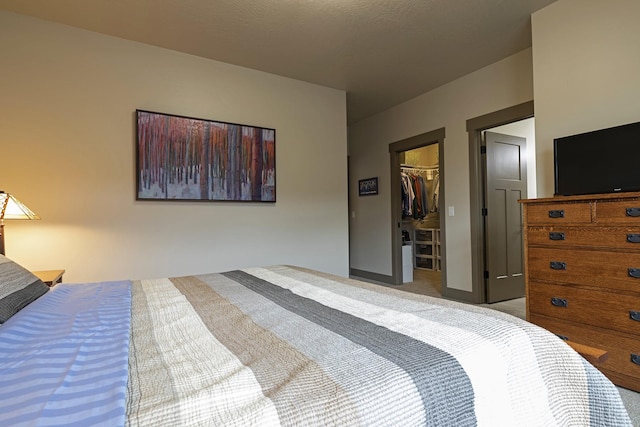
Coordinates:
<point>288,346</point>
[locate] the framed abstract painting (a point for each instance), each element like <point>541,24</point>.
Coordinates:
<point>185,158</point>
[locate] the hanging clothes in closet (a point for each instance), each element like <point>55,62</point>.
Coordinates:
<point>420,188</point>
<point>435,191</point>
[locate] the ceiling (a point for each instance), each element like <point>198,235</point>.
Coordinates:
<point>381,52</point>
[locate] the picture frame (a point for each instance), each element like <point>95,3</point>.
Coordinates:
<point>189,159</point>
<point>368,187</point>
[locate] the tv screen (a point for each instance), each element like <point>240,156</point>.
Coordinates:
<point>602,161</point>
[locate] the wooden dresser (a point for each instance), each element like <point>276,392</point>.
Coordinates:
<point>583,275</point>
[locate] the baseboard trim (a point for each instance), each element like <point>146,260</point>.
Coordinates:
<point>459,295</point>
<point>370,276</point>
<point>383,279</point>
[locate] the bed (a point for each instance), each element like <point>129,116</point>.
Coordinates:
<point>280,345</point>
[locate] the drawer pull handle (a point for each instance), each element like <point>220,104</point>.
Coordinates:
<point>559,265</point>
<point>633,238</point>
<point>634,315</point>
<point>634,272</point>
<point>560,213</point>
<point>635,212</point>
<point>635,359</point>
<point>555,235</point>
<point>559,302</point>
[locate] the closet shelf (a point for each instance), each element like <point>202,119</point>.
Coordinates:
<point>426,248</point>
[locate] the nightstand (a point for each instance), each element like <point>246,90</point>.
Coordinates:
<point>49,277</point>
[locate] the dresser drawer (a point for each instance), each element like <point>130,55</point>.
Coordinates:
<point>625,212</point>
<point>620,348</point>
<point>603,309</point>
<point>627,238</point>
<point>559,213</point>
<point>613,270</point>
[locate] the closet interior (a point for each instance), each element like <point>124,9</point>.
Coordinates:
<point>420,178</point>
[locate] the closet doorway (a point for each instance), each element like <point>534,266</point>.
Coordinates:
<point>418,248</point>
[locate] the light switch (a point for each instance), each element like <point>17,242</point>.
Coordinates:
<point>451,211</point>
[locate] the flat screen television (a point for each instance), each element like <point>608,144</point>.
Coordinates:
<point>602,161</point>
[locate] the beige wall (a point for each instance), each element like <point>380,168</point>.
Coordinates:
<point>67,135</point>
<point>586,61</point>
<point>500,85</point>
<point>585,68</point>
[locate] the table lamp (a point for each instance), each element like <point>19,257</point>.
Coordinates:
<point>12,208</point>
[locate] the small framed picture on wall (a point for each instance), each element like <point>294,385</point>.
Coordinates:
<point>368,187</point>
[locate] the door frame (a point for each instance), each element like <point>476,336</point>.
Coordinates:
<point>477,173</point>
<point>433,137</point>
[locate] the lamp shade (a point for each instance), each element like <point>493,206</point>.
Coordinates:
<point>12,208</point>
